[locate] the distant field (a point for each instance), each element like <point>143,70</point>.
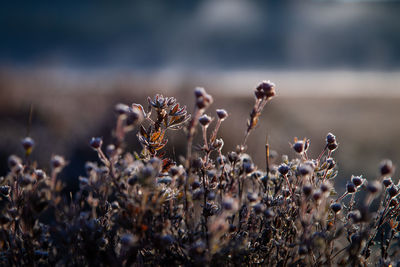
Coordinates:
<point>360,108</point>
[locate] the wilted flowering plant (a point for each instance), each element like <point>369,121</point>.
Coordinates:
<point>169,115</point>
<point>210,208</point>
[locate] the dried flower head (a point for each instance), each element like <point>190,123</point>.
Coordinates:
<point>222,114</point>
<point>96,142</point>
<point>387,182</point>
<point>57,161</point>
<point>205,120</point>
<point>350,187</point>
<point>374,187</point>
<point>393,191</point>
<point>300,146</point>
<point>122,109</point>
<point>283,169</point>
<point>28,144</point>
<point>386,167</point>
<point>267,88</point>
<point>357,180</point>
<point>330,138</point>
<point>336,207</point>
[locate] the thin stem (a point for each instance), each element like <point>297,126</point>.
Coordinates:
<point>340,198</point>
<point>214,134</point>
<point>322,153</point>
<point>288,184</point>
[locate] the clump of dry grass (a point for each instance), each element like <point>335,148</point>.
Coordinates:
<point>209,208</point>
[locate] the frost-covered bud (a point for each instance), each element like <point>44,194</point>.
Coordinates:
<point>350,187</point>
<point>199,92</point>
<point>387,182</point>
<point>28,144</point>
<point>357,180</point>
<point>222,114</point>
<point>283,169</point>
<point>122,109</point>
<point>330,138</point>
<point>386,167</point>
<point>374,187</point>
<point>336,207</point>
<point>57,161</point>
<point>267,87</point>
<point>96,142</point>
<point>299,146</point>
<point>393,191</point>
<point>205,120</point>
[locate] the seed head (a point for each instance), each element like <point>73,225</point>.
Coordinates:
<point>387,182</point>
<point>133,180</point>
<point>300,146</point>
<point>134,116</point>
<point>393,190</point>
<point>252,197</point>
<point>336,207</point>
<point>195,185</point>
<point>330,138</point>
<point>5,190</point>
<point>330,163</point>
<point>40,174</point>
<point>110,150</point>
<point>96,142</point>
<point>121,109</point>
<point>203,100</point>
<point>57,161</point>
<point>303,250</point>
<point>374,187</point>
<point>147,171</point>
<point>283,169</point>
<point>221,160</point>
<point>269,214</point>
<point>307,189</point>
<point>304,169</point>
<point>128,240</point>
<point>357,180</point>
<point>393,202</point>
<point>222,114</point>
<point>199,92</point>
<point>233,156</point>
<point>248,167</point>
<point>211,195</point>
<point>268,88</point>
<point>205,120</point>
<point>229,204</point>
<point>165,180</point>
<point>218,143</point>
<point>351,188</point>
<point>175,170</point>
<point>13,161</point>
<point>386,167</point>
<point>317,195</point>
<point>258,208</point>
<point>197,163</point>
<point>28,144</point>
<point>325,187</point>
<point>332,146</point>
<point>355,215</point>
<point>259,94</point>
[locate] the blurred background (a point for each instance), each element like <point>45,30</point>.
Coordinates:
<point>335,63</point>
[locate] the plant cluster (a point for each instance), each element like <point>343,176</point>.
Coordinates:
<point>210,208</point>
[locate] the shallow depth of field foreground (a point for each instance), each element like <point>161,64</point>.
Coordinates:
<point>201,208</point>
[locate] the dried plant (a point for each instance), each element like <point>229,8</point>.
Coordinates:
<point>211,208</point>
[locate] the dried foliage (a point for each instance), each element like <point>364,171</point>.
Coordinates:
<point>210,208</point>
